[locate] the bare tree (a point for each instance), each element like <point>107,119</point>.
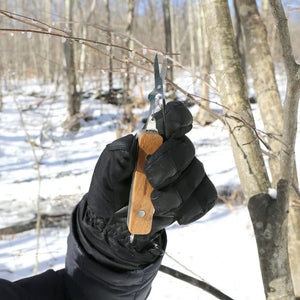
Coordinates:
<point>129,28</point>
<point>47,71</point>
<point>1,100</point>
<point>109,39</point>
<point>72,96</point>
<point>268,216</point>
<point>264,81</point>
<point>240,37</point>
<point>173,27</point>
<point>176,38</point>
<point>269,102</point>
<point>203,116</point>
<point>192,39</point>
<point>291,102</point>
<point>232,87</point>
<point>168,39</point>
<point>86,18</point>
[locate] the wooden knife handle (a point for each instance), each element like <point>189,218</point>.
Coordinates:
<point>141,209</point>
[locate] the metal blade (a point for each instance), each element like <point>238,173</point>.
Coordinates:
<point>157,78</point>
<point>158,89</point>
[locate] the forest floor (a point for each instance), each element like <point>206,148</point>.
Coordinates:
<point>220,248</point>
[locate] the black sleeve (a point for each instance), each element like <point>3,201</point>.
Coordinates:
<point>92,270</point>
<point>103,265</point>
<point>48,286</point>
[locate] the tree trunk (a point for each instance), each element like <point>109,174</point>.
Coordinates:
<point>294,243</point>
<point>264,81</point>
<point>168,41</point>
<point>240,38</point>
<point>109,37</point>
<point>1,100</point>
<point>232,88</point>
<point>290,113</point>
<point>269,102</point>
<point>173,27</point>
<point>84,35</point>
<point>270,222</point>
<point>47,75</point>
<point>178,40</point>
<point>152,16</point>
<point>203,116</point>
<point>192,41</point>
<point>72,96</point>
<point>128,44</point>
<point>269,231</point>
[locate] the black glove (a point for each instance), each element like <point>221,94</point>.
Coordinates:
<point>182,191</point>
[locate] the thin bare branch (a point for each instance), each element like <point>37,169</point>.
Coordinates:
<point>283,31</point>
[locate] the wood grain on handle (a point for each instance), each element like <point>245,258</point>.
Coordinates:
<point>140,213</point>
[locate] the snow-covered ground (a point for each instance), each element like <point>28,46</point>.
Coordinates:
<point>220,248</point>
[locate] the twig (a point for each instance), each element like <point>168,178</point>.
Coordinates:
<point>37,163</point>
<point>44,29</point>
<point>227,202</point>
<point>291,102</point>
<point>183,266</point>
<point>196,282</point>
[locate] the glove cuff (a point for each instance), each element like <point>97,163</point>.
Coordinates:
<point>111,239</point>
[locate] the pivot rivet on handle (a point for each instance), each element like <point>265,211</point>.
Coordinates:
<point>141,213</point>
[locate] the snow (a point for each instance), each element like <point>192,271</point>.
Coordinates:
<point>272,193</point>
<point>219,248</point>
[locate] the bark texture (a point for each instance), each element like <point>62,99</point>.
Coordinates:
<point>287,154</point>
<point>47,70</point>
<point>268,99</point>
<point>203,116</point>
<point>265,86</point>
<point>269,217</point>
<point>129,28</point>
<point>168,40</point>
<point>72,95</point>
<point>109,37</point>
<point>240,39</point>
<point>82,61</point>
<point>232,88</point>
<point>192,39</point>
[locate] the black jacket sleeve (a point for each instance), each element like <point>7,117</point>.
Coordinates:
<point>48,285</point>
<point>91,271</point>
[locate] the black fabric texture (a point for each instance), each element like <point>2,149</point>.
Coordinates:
<point>111,181</point>
<point>169,161</point>
<point>47,286</point>
<point>108,241</point>
<point>179,120</point>
<point>103,276</point>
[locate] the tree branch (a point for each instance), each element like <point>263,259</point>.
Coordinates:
<point>44,28</point>
<point>196,282</point>
<point>291,102</point>
<point>283,31</point>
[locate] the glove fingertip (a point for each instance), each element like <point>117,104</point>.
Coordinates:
<point>124,143</point>
<point>179,120</point>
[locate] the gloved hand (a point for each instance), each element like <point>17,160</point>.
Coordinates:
<point>182,191</point>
